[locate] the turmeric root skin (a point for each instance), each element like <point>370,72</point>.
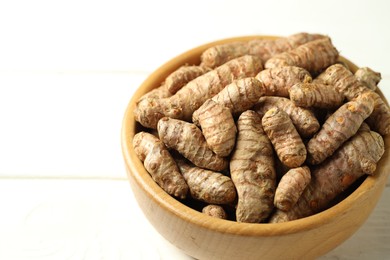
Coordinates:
<point>196,92</point>
<point>218,127</point>
<point>208,186</point>
<point>215,211</point>
<point>345,82</point>
<point>303,119</point>
<point>313,56</point>
<point>264,49</point>
<point>338,128</point>
<point>188,140</point>
<point>358,156</point>
<point>252,170</point>
<point>291,187</point>
<point>180,77</point>
<point>160,164</point>
<point>241,94</point>
<point>279,80</point>
<point>315,95</point>
<point>157,93</point>
<point>368,77</point>
<point>238,96</point>
<point>287,143</point>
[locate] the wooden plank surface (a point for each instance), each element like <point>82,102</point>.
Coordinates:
<point>100,219</point>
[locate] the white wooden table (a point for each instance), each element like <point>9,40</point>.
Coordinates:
<point>67,72</point>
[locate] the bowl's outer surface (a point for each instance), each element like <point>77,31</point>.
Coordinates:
<point>205,237</point>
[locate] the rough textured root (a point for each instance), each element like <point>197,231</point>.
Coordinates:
<point>208,186</point>
<point>265,49</point>
<point>196,92</point>
<point>279,80</point>
<point>304,119</point>
<point>345,82</point>
<point>379,120</point>
<point>218,127</point>
<point>240,95</point>
<point>160,164</point>
<point>298,39</point>
<point>291,187</point>
<point>313,56</point>
<point>157,93</point>
<point>316,95</point>
<point>188,140</point>
<point>180,77</point>
<point>338,128</point>
<point>215,211</point>
<point>218,55</point>
<point>358,156</point>
<point>252,170</point>
<point>368,77</point>
<point>284,137</point>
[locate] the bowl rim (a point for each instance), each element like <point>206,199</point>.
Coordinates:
<point>137,171</point>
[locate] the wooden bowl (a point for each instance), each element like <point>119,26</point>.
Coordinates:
<point>205,237</point>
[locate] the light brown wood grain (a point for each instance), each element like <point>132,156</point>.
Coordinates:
<point>204,237</point>
<point>100,219</point>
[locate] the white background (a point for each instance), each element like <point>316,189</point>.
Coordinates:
<point>67,72</point>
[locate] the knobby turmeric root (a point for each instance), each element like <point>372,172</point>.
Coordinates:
<point>215,116</point>
<point>303,119</point>
<point>338,128</point>
<point>252,170</point>
<point>160,164</point>
<point>284,137</point>
<point>175,81</point>
<point>208,186</point>
<point>188,140</point>
<point>264,49</point>
<point>368,77</point>
<point>345,82</point>
<point>215,211</point>
<point>157,93</point>
<point>240,95</point>
<point>315,95</point>
<point>291,187</point>
<point>196,92</point>
<point>279,80</point>
<point>218,127</point>
<point>180,77</point>
<point>313,56</point>
<point>358,156</point>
